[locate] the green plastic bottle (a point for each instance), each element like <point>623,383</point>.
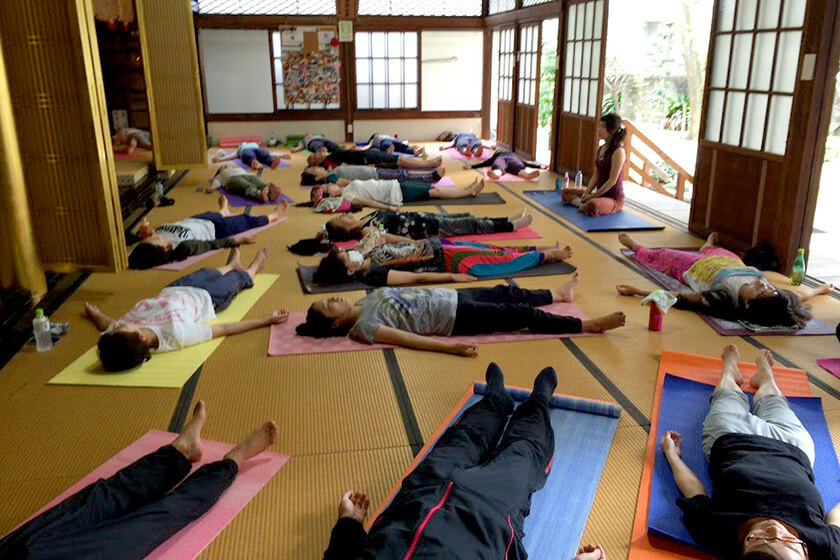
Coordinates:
<point>797,273</point>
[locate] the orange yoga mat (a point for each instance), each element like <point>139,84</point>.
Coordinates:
<point>703,369</point>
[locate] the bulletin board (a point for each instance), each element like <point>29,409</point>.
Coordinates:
<point>311,67</point>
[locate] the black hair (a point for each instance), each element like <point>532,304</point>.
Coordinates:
<point>762,257</point>
<point>612,122</point>
<point>311,246</point>
<point>147,255</point>
<point>837,332</point>
<point>309,179</point>
<point>336,234</point>
<point>119,351</point>
<point>331,270</point>
<point>783,308</point>
<point>318,325</point>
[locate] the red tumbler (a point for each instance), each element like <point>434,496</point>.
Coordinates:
<point>655,320</point>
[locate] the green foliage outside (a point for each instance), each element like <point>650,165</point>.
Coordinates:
<point>547,77</point>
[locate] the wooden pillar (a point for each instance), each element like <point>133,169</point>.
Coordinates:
<point>20,265</point>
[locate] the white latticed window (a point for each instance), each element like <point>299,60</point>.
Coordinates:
<point>265,7</point>
<point>386,70</point>
<point>453,8</point>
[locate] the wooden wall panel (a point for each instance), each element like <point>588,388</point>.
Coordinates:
<point>170,61</point>
<point>577,143</point>
<point>525,134</point>
<point>735,197</point>
<point>504,126</point>
<point>55,84</point>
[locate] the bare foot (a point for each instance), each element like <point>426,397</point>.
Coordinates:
<point>566,292</point>
<point>477,187</point>
<point>217,157</point>
<point>255,164</point>
<point>434,162</point>
<point>530,175</point>
<point>91,310</point>
<point>441,171</point>
<point>132,145</point>
<point>259,262</point>
<point>495,174</point>
<point>255,443</point>
<point>264,194</point>
<point>275,162</point>
<point>625,290</point>
<point>279,211</point>
<point>730,357</point>
<point>627,241</point>
<point>522,222</point>
<point>518,215</point>
<point>390,150</point>
<point>605,323</point>
<point>189,441</point>
<point>224,209</point>
<point>234,261</point>
<point>764,361</point>
<point>711,241</point>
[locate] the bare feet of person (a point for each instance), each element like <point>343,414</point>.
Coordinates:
<point>217,157</point>
<point>132,145</point>
<point>254,443</point>
<point>275,162</point>
<point>224,209</point>
<point>188,443</point>
<point>764,361</point>
<point>530,175</point>
<point>441,170</point>
<point>255,165</point>
<point>627,241</point>
<point>518,215</point>
<point>264,194</point>
<point>390,150</point>
<point>730,357</point>
<point>234,261</point>
<point>605,323</point>
<point>91,311</point>
<point>279,211</point>
<point>522,222</point>
<point>566,292</point>
<point>711,241</point>
<point>434,162</point>
<point>258,263</point>
<point>494,174</point>
<point>626,290</point>
<point>477,187</point>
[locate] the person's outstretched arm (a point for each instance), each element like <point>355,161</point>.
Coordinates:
<point>95,316</point>
<point>534,164</point>
<point>226,329</point>
<point>686,480</point>
<point>372,204</point>
<point>810,293</point>
<point>348,535</point>
<point>403,278</point>
<point>486,163</point>
<point>397,337</point>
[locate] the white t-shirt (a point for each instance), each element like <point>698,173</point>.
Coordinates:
<point>190,229</point>
<point>175,316</point>
<point>386,192</point>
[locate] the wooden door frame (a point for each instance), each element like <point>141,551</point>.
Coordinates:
<point>520,25</point>
<point>514,88</point>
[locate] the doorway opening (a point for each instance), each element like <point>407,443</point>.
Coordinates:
<point>548,83</point>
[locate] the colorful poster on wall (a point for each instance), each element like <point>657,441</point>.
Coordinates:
<point>311,66</point>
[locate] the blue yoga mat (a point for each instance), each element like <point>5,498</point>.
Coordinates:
<point>620,221</point>
<point>684,405</point>
<point>583,434</point>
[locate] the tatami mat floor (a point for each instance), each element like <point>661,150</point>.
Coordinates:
<point>339,414</point>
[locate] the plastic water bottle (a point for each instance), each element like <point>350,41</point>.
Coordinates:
<point>797,273</point>
<point>579,179</point>
<point>159,189</point>
<point>566,180</point>
<point>145,228</point>
<point>41,329</point>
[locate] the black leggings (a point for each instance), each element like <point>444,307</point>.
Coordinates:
<point>507,309</point>
<point>125,516</point>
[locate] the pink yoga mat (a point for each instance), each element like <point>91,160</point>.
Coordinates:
<point>181,265</point>
<point>137,154</point>
<point>234,141</point>
<point>524,233</point>
<point>831,365</point>
<point>508,178</point>
<point>284,341</point>
<point>192,539</point>
<point>455,154</point>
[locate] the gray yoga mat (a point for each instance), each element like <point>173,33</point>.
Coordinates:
<point>483,198</point>
<point>310,287</point>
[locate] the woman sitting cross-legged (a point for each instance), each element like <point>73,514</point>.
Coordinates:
<point>201,233</point>
<point>503,162</point>
<point>343,174</point>
<point>723,286</point>
<point>385,195</point>
<point>431,260</point>
<point>130,514</point>
<point>407,316</point>
<point>175,318</point>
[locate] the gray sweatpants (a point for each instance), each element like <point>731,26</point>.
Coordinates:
<point>771,417</point>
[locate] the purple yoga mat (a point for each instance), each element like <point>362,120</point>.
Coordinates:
<point>723,327</point>
<point>240,163</point>
<point>237,201</point>
<point>831,365</point>
<point>181,265</point>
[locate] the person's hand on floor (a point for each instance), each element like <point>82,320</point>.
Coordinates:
<point>625,289</point>
<point>250,240</point>
<point>354,505</point>
<point>466,349</point>
<point>671,443</point>
<point>591,552</point>
<point>278,317</point>
<point>394,208</point>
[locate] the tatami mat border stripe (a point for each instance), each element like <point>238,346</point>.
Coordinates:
<point>602,378</point>
<point>784,361</point>
<point>412,428</point>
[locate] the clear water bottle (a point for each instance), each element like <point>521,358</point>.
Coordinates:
<point>579,179</point>
<point>797,273</point>
<point>41,329</point>
<point>159,189</point>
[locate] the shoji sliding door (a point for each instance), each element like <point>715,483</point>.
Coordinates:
<point>583,37</point>
<point>507,86</point>
<point>527,90</point>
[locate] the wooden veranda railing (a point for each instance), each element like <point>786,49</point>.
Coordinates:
<point>648,174</point>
